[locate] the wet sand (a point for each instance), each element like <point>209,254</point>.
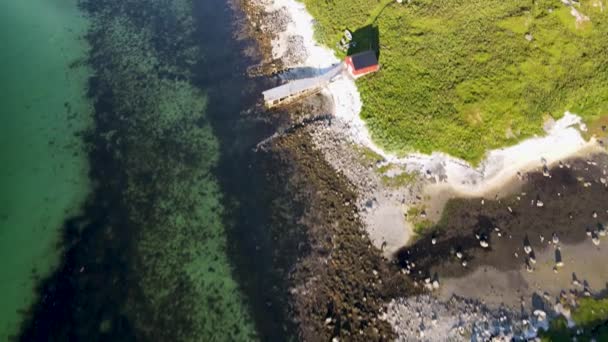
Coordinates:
<point>512,287</point>
<point>567,203</point>
<point>387,226</point>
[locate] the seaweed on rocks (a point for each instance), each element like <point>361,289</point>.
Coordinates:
<point>263,26</point>
<point>341,286</point>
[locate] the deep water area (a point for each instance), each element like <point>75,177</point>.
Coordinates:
<point>174,242</point>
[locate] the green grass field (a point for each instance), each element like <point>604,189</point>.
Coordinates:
<point>461,77</point>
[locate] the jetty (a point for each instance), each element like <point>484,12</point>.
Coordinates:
<point>298,89</point>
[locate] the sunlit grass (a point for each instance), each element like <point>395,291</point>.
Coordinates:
<point>463,77</point>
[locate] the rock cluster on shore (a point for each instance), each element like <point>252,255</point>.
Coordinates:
<point>425,318</point>
<point>342,285</point>
<point>382,208</point>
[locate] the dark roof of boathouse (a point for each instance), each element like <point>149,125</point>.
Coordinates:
<point>364,59</point>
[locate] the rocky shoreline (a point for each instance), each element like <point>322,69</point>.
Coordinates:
<point>264,28</point>
<point>357,215</point>
<point>341,282</point>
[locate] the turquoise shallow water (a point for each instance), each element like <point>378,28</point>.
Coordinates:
<point>43,165</point>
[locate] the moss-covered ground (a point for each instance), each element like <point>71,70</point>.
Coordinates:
<point>464,77</point>
<point>591,318</point>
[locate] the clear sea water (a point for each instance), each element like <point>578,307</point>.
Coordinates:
<point>43,165</point>
<point>129,204</point>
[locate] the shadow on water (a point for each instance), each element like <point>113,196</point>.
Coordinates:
<point>306,72</point>
<point>87,297</point>
<point>258,209</point>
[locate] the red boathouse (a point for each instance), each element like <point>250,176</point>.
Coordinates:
<point>362,63</point>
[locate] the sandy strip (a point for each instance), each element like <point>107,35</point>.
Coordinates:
<point>562,140</point>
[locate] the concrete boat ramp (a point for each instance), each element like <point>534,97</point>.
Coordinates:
<point>298,89</point>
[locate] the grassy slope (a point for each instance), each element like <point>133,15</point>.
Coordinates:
<point>460,77</point>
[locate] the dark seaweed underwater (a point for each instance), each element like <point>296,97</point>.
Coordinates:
<point>174,242</point>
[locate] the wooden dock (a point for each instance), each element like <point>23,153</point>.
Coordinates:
<point>298,89</point>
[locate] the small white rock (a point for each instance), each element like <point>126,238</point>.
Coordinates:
<point>540,314</point>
